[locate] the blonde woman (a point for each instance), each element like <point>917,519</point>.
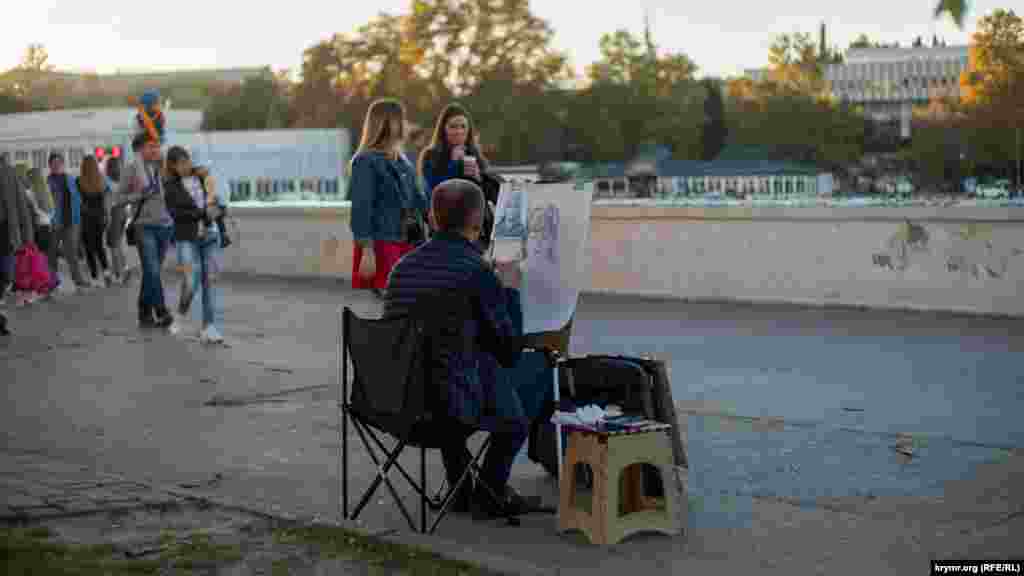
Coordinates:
<point>388,208</point>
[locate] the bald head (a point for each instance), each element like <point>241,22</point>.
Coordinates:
<point>458,206</point>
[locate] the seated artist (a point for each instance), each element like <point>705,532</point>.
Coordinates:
<point>451,261</point>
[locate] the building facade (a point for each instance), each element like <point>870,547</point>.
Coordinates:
<point>668,179</point>
<point>889,82</point>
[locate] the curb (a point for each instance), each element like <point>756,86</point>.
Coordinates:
<point>447,549</point>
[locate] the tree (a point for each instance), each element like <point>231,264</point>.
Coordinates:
<point>461,42</point>
<point>260,103</point>
<point>36,59</point>
<point>637,96</point>
<point>795,61</point>
<point>993,89</point>
<point>713,130</point>
<point>997,58</point>
<point>864,41</point>
<point>957,10</point>
<point>11,104</point>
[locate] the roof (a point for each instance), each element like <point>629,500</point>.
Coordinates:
<point>904,54</point>
<point>88,121</point>
<point>696,168</point>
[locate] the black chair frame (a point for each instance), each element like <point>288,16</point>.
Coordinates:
<point>387,459</point>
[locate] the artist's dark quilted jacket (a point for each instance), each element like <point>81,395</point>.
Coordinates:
<point>446,264</point>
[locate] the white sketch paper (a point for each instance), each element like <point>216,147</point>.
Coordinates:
<point>557,222</point>
<point>508,238</point>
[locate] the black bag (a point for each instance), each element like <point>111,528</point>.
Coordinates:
<point>626,382</point>
<point>491,184</point>
<point>131,232</point>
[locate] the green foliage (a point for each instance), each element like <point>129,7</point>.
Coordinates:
<point>714,129</point>
<point>957,10</point>
<point>260,103</point>
<point>799,127</point>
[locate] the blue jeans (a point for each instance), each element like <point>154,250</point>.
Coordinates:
<point>155,241</point>
<point>200,254</point>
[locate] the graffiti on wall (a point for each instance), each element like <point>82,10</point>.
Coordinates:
<point>909,239</point>
<point>969,252</point>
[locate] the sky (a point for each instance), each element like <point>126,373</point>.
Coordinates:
<point>723,37</point>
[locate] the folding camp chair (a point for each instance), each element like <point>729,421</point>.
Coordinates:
<point>397,390</point>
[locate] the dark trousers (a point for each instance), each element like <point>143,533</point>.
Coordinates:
<point>507,439</point>
<point>92,238</point>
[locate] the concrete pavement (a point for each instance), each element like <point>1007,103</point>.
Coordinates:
<point>792,419</point>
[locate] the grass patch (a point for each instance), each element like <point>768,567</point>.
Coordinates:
<point>28,551</point>
<point>333,542</point>
<point>200,551</point>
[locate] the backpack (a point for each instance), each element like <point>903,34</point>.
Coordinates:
<point>31,272</point>
<point>634,384</point>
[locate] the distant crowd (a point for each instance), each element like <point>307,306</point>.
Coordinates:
<point>64,234</point>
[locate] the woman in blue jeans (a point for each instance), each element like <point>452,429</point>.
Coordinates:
<point>199,248</point>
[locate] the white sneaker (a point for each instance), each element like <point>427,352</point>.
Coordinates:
<point>174,328</point>
<point>211,336</point>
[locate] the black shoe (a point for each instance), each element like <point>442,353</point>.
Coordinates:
<point>512,504</point>
<point>3,326</point>
<point>164,318</point>
<point>225,241</point>
<point>146,317</point>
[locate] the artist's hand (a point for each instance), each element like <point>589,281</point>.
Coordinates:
<point>458,153</point>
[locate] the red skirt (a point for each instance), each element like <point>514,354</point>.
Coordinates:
<point>387,255</point>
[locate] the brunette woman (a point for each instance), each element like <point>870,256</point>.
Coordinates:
<point>388,209</point>
<point>453,151</point>
<point>95,193</point>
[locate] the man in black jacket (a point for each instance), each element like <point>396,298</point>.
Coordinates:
<point>15,228</point>
<point>451,261</point>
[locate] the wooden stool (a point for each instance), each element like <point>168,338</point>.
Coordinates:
<point>609,454</point>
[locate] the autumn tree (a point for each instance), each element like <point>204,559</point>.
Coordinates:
<point>993,89</point>
<point>496,58</point>
<point>796,61</point>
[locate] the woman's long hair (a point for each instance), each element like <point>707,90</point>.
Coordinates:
<point>90,180</point>
<point>379,127</point>
<point>439,149</point>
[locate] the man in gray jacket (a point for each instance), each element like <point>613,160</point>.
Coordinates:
<point>15,228</point>
<point>142,185</point>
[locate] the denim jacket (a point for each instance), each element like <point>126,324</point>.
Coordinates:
<point>380,188</point>
<point>58,201</point>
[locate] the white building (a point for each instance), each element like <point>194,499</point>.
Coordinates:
<point>30,138</point>
<point>274,166</point>
<point>888,82</point>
